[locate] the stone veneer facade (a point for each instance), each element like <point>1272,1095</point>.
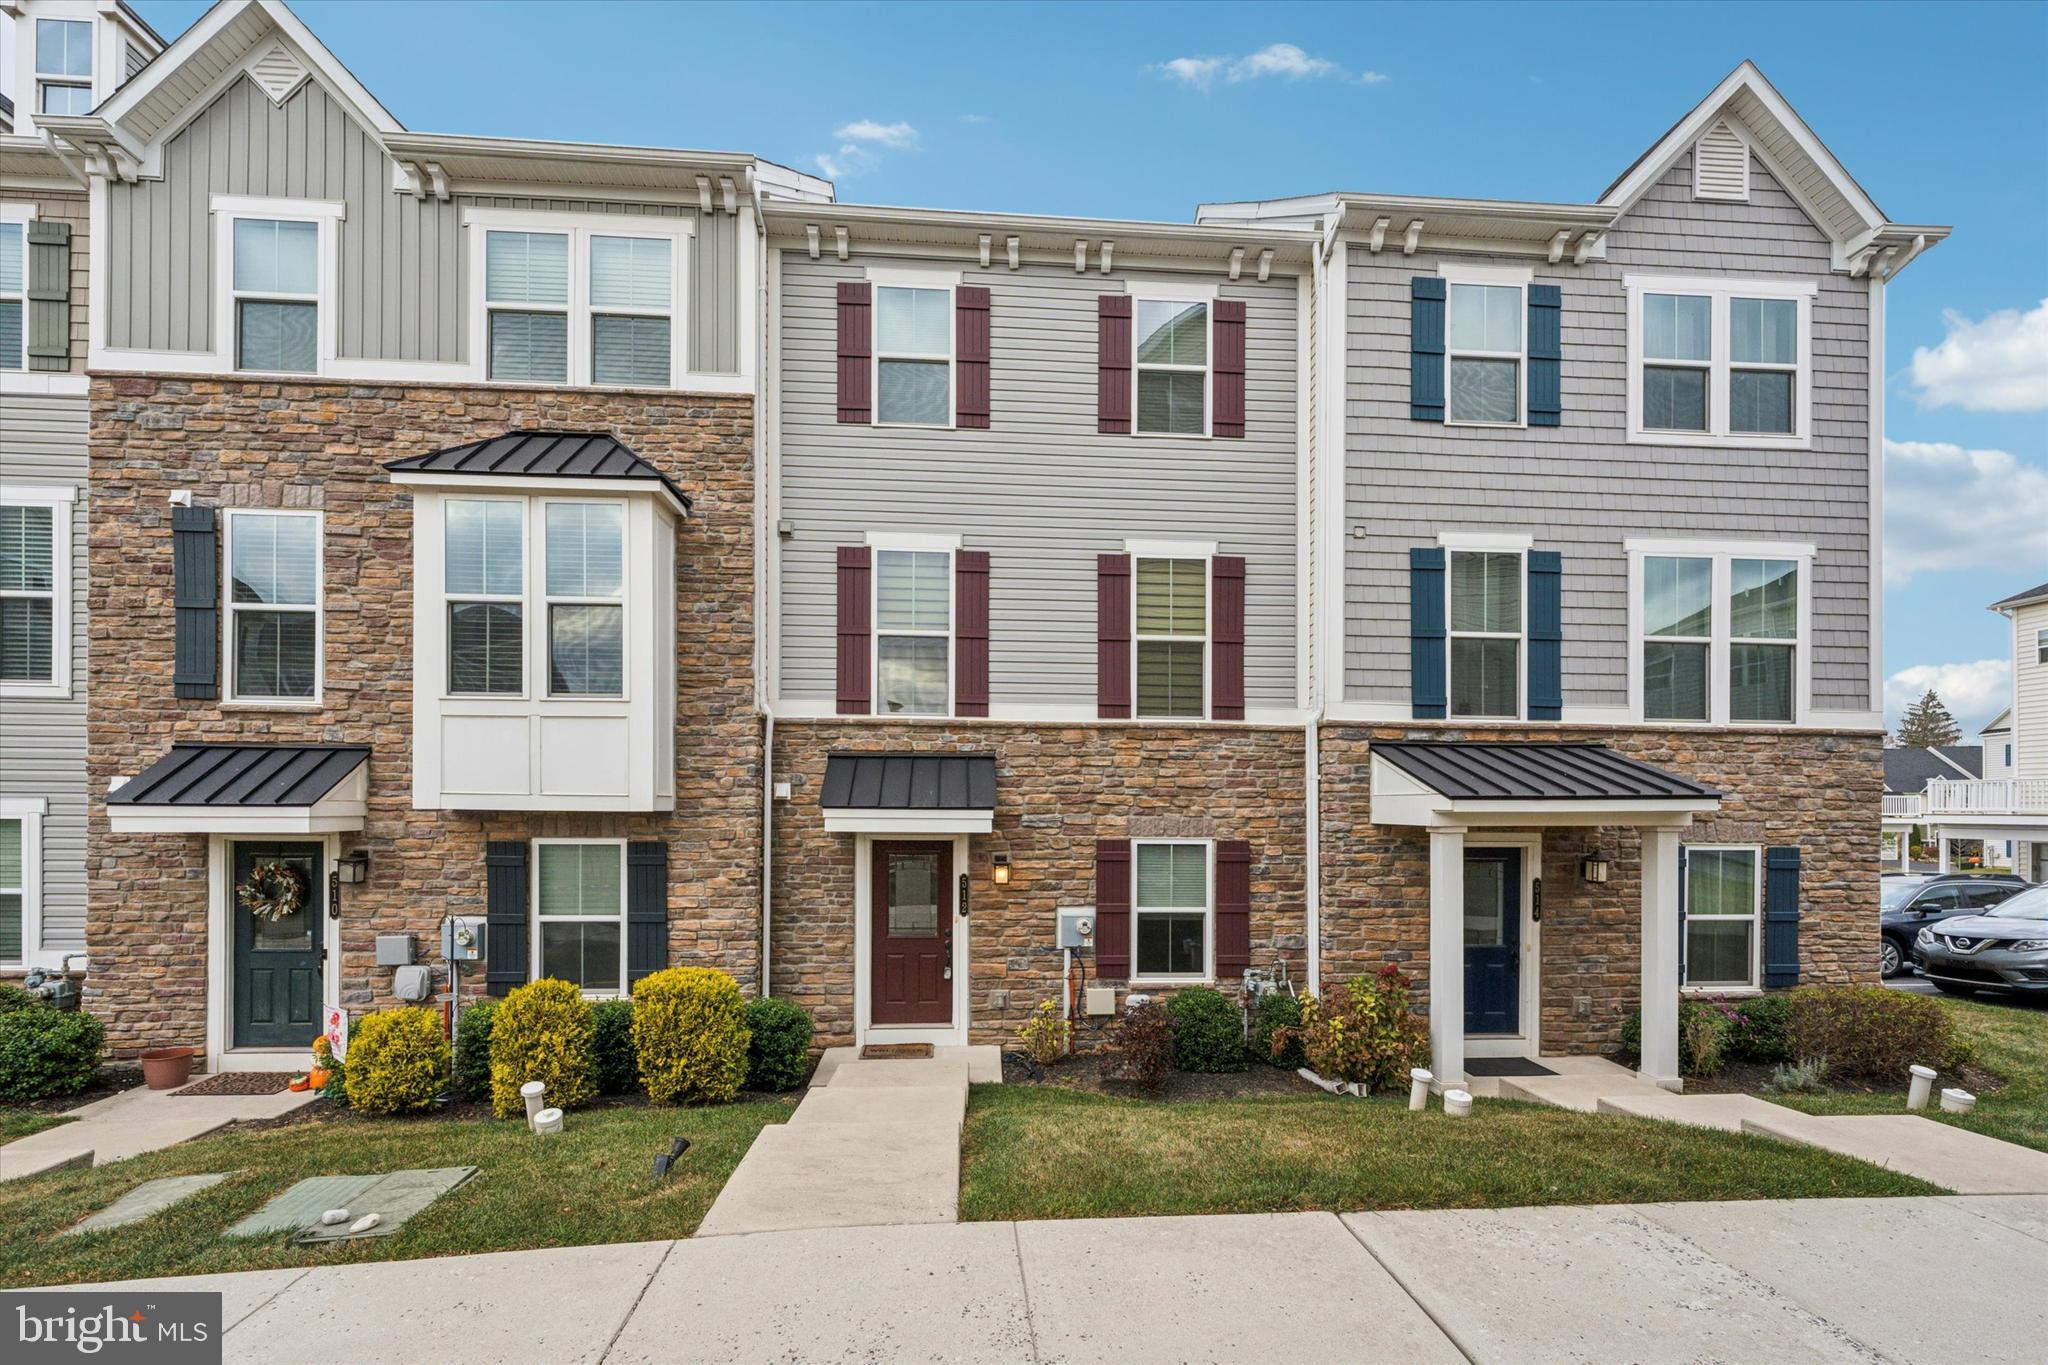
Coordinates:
<point>324,444</point>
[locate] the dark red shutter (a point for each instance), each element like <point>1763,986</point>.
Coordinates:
<point>970,632</point>
<point>1233,907</point>
<point>1113,637</point>
<point>1227,419</point>
<point>1113,908</point>
<point>1113,363</point>
<point>970,351</point>
<point>856,349</point>
<point>855,627</point>
<point>1226,637</point>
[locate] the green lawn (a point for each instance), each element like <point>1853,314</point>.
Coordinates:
<point>19,1123</point>
<point>591,1183</point>
<point>2009,1040</point>
<point>1041,1152</point>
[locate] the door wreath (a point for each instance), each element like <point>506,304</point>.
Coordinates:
<point>273,891</point>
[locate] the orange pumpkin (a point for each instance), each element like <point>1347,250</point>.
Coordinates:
<point>317,1080</point>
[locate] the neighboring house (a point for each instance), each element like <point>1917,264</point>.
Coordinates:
<point>668,564</point>
<point>2009,802</point>
<point>2001,760</point>
<point>59,52</point>
<point>1907,772</point>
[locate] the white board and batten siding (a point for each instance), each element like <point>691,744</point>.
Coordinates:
<point>1581,488</point>
<point>2029,692</point>
<point>1040,490</point>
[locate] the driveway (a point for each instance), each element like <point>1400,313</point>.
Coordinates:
<point>1921,986</point>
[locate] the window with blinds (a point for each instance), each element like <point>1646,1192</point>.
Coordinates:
<point>631,321</point>
<point>1717,635</point>
<point>914,356</point>
<point>484,560</point>
<point>1678,629</point>
<point>585,580</point>
<point>913,632</point>
<point>13,295</point>
<point>274,609</point>
<point>28,594</point>
<point>13,891</point>
<point>1171,634</point>
<point>1171,906</point>
<point>1172,367</point>
<point>1485,350</point>
<point>526,294</point>
<point>1763,633</point>
<point>1486,633</point>
<point>579,913</point>
<point>277,295</point>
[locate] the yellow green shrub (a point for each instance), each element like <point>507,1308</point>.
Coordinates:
<point>541,1032</point>
<point>690,1031</point>
<point>397,1061</point>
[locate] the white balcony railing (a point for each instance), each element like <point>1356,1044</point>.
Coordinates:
<point>1987,796</point>
<point>1909,807</point>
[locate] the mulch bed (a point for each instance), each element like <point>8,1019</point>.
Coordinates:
<point>457,1111</point>
<point>1754,1078</point>
<point>1084,1073</point>
<point>240,1083</point>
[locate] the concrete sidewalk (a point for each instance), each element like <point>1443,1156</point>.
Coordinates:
<point>137,1121</point>
<point>1812,1280</point>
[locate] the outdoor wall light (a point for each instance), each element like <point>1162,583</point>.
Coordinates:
<point>999,868</point>
<point>353,868</point>
<point>1594,868</point>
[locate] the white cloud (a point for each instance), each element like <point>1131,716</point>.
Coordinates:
<point>1997,365</point>
<point>1972,692</point>
<point>1950,508</point>
<point>860,145</point>
<point>886,134</point>
<point>1282,60</point>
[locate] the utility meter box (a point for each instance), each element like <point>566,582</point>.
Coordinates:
<point>462,938</point>
<point>1100,1000</point>
<point>1076,926</point>
<point>394,950</point>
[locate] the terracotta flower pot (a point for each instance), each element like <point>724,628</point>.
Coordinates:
<point>167,1068</point>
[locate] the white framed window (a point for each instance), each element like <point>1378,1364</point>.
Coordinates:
<point>1172,909</point>
<point>14,223</point>
<point>35,591</point>
<point>1171,351</point>
<point>274,613</point>
<point>914,374</point>
<point>1170,616</point>
<point>584,548</point>
<point>1720,632</point>
<point>579,913</point>
<point>1720,362</point>
<point>484,563</point>
<point>63,66</point>
<point>1486,345</point>
<point>2041,646</point>
<point>1724,895</point>
<point>578,299</point>
<point>21,880</point>
<point>1487,593</point>
<point>276,271</point>
<point>913,616</point>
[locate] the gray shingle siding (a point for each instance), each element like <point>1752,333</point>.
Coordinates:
<point>1040,490</point>
<point>1582,489</point>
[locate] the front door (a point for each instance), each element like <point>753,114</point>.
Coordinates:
<point>913,934</point>
<point>275,988</point>
<point>1493,940</point>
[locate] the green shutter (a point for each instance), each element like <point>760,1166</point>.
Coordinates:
<point>49,295</point>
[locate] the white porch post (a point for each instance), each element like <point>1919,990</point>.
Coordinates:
<point>1660,957</point>
<point>1942,865</point>
<point>1447,955</point>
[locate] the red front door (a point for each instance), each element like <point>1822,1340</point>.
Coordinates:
<point>913,934</point>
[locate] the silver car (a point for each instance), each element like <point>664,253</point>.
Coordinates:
<point>2004,949</point>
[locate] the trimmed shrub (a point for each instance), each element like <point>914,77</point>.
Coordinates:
<point>1702,1038</point>
<point>46,1052</point>
<point>473,1050</point>
<point>1208,1030</point>
<point>613,1065</point>
<point>778,1046</point>
<point>541,1033</point>
<point>14,998</point>
<point>1142,1048</point>
<point>1869,1033</point>
<point>1276,1032</point>
<point>1365,1032</point>
<point>397,1061</point>
<point>690,1028</point>
<point>1760,1030</point>
<point>1045,1034</point>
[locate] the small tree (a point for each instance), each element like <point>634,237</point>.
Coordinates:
<point>1928,724</point>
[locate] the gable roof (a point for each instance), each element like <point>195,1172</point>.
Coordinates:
<point>1907,771</point>
<point>2038,593</point>
<point>1999,723</point>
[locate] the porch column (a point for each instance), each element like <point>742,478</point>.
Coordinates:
<point>1661,928</point>
<point>1942,864</point>
<point>1447,955</point>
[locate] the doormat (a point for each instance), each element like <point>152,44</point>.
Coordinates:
<point>239,1083</point>
<point>1505,1066</point>
<point>892,1052</point>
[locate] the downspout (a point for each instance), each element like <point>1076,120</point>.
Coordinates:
<point>765,594</point>
<point>767,841</point>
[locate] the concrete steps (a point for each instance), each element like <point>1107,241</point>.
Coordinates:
<point>1581,1093</point>
<point>1725,1112</point>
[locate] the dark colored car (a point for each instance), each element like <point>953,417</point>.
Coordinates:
<point>2005,949</point>
<point>1912,903</point>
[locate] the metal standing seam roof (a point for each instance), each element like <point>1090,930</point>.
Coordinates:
<point>1534,771</point>
<point>251,775</point>
<point>542,455</point>
<point>909,782</point>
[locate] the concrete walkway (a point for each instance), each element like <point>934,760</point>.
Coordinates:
<point>137,1121</point>
<point>1813,1280</point>
<point>872,1143</point>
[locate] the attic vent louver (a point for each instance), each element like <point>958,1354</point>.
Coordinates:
<point>277,71</point>
<point>1720,164</point>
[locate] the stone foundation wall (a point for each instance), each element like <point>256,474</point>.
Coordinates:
<point>1058,790</point>
<point>323,445</point>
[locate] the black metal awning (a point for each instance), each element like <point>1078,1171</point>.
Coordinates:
<point>909,782</point>
<point>223,788</point>
<point>543,455</point>
<point>1483,770</point>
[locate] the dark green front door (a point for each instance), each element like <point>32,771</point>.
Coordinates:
<point>276,985</point>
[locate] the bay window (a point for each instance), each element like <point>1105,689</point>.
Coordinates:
<point>273,606</point>
<point>1486,621</point>
<point>585,599</point>
<point>1719,631</point>
<point>579,904</point>
<point>1723,905</point>
<point>1171,367</point>
<point>1171,908</point>
<point>1723,362</point>
<point>1171,636</point>
<point>913,356</point>
<point>913,631</point>
<point>485,558</point>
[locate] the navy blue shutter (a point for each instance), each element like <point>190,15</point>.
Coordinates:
<point>1546,635</point>
<point>1426,348</point>
<point>646,909</point>
<point>195,602</point>
<point>1546,354</point>
<point>1426,660</point>
<point>505,900</point>
<point>1681,914</point>
<point>1781,917</point>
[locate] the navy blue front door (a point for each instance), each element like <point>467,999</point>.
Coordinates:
<point>1493,940</point>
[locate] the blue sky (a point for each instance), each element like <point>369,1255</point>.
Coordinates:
<point>1940,111</point>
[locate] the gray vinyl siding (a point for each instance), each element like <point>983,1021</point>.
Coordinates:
<point>1581,488</point>
<point>1041,490</point>
<point>404,281</point>
<point>42,739</point>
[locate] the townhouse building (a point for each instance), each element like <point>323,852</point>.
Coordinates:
<point>2006,806</point>
<point>667,563</point>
